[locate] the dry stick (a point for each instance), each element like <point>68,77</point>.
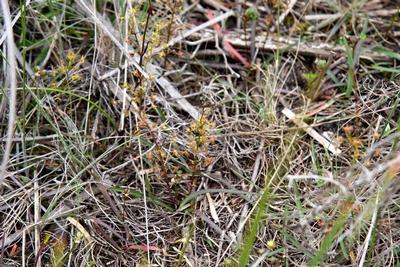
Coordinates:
<point>383,13</point>
<point>2,250</point>
<point>322,17</point>
<point>122,119</point>
<point>238,4</point>
<point>271,42</point>
<point>152,69</point>
<point>13,87</point>
<point>245,29</point>
<point>252,39</point>
<point>314,134</point>
<point>37,217</point>
<point>23,249</point>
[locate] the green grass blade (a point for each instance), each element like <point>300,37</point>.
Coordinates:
<point>252,233</point>
<point>337,228</point>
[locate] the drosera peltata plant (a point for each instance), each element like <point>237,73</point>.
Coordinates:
<point>173,187</point>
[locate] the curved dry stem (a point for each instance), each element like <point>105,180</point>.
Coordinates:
<point>12,65</point>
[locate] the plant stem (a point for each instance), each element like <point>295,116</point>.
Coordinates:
<point>144,35</point>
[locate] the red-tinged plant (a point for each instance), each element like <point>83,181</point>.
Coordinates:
<point>227,45</point>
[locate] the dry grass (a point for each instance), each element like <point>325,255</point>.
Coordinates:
<point>141,138</point>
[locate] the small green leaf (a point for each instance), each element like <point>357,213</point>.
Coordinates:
<point>252,13</point>
<point>387,130</point>
<point>310,76</point>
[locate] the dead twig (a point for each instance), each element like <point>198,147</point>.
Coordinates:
<point>12,67</point>
<point>314,134</point>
